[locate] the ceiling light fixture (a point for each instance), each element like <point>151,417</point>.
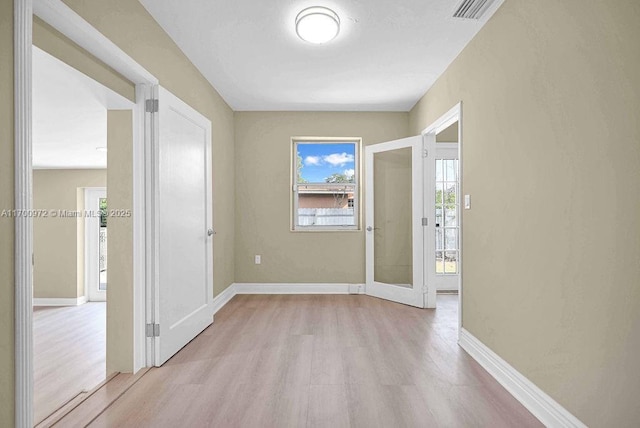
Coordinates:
<point>317,24</point>
<point>101,149</point>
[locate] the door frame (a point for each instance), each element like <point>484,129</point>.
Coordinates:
<point>429,134</point>
<point>73,26</point>
<point>91,195</point>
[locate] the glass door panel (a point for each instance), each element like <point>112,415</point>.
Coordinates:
<point>393,231</point>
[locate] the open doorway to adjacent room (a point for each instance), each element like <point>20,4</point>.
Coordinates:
<point>70,115</point>
<point>447,211</point>
<point>445,247</point>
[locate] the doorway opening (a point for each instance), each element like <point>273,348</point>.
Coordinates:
<point>447,211</point>
<point>443,168</point>
<point>413,231</point>
<point>70,141</point>
<point>71,25</point>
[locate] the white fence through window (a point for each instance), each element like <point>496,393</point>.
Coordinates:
<point>326,217</point>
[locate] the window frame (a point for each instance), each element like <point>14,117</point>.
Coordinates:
<point>357,194</point>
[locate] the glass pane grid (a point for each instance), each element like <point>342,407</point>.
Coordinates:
<point>447,208</point>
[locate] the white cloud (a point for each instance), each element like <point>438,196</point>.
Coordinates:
<point>312,160</point>
<point>338,159</point>
<point>349,172</point>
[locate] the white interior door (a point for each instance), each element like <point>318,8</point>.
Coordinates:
<point>394,230</point>
<point>184,281</point>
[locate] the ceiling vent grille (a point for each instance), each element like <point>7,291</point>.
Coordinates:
<point>472,9</point>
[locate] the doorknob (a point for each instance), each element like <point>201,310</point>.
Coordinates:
<point>370,229</point>
<point>210,232</point>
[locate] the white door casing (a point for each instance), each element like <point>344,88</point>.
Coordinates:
<point>409,294</point>
<point>184,227</point>
<point>92,196</point>
<point>429,193</point>
<point>429,135</point>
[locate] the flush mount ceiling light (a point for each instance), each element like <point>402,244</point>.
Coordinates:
<point>317,24</point>
<point>101,149</point>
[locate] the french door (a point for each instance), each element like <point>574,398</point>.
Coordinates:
<point>394,221</point>
<point>447,217</point>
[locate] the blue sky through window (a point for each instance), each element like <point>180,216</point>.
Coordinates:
<point>320,160</point>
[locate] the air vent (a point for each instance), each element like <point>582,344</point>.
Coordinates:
<point>472,9</point>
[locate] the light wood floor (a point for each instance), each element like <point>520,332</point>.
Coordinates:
<point>69,353</point>
<point>321,361</point>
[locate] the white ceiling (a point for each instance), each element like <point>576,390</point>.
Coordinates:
<point>69,115</point>
<point>385,58</point>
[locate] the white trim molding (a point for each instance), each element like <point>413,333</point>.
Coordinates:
<point>23,263</point>
<point>297,288</point>
<point>223,298</point>
<point>279,288</point>
<point>64,19</point>
<point>541,405</point>
<point>71,301</point>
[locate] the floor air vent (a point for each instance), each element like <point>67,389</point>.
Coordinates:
<point>472,9</point>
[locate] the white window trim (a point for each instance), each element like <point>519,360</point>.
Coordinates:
<point>357,194</point>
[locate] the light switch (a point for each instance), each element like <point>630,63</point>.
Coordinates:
<point>467,202</point>
<point>258,259</point>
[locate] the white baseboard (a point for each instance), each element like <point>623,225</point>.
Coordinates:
<point>223,298</point>
<point>543,407</point>
<point>41,301</point>
<point>297,288</point>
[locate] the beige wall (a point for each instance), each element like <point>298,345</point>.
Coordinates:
<point>6,223</point>
<point>53,42</point>
<point>58,268</point>
<point>448,135</point>
<point>551,101</point>
<point>128,25</point>
<point>263,160</point>
<point>120,242</point>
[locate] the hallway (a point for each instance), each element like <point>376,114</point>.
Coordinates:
<point>320,360</point>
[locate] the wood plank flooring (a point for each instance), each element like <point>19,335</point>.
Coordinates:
<point>320,361</point>
<point>69,350</point>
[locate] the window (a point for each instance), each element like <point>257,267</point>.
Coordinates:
<point>326,181</point>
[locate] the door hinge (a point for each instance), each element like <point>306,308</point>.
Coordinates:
<point>425,221</point>
<point>425,153</point>
<point>425,289</point>
<point>153,330</point>
<point>151,106</point>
